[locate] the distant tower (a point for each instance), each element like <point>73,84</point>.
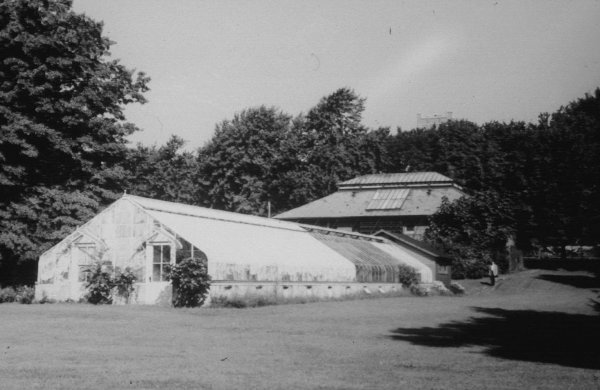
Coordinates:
<point>427,122</point>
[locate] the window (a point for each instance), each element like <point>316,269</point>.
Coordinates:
<point>443,269</point>
<point>85,261</point>
<point>161,258</point>
<point>187,251</point>
<point>370,227</point>
<point>409,229</point>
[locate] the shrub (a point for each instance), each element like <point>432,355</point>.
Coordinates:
<point>45,299</point>
<point>221,301</point>
<point>420,291</point>
<point>25,295</point>
<point>440,288</point>
<point>7,295</point>
<point>22,294</point>
<point>244,302</point>
<point>191,282</point>
<point>99,286</point>
<point>124,284</point>
<point>457,288</point>
<point>470,264</point>
<point>407,275</point>
<point>102,284</point>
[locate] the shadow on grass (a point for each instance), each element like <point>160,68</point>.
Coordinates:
<point>579,281</point>
<point>536,336</point>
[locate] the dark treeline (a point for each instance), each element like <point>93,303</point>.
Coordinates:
<point>535,185</point>
<point>64,154</point>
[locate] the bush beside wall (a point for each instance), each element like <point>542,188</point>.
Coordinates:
<point>22,294</point>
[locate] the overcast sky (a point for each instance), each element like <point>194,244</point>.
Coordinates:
<point>482,60</point>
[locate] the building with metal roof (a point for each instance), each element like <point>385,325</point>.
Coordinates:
<point>245,255</point>
<point>397,202</point>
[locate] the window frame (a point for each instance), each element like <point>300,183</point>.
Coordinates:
<point>85,261</point>
<point>165,248</point>
<point>408,229</point>
<point>443,269</point>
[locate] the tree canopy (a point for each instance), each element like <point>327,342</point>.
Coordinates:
<point>161,172</point>
<point>333,145</point>
<point>237,166</point>
<point>542,178</point>
<point>62,125</point>
<point>264,156</point>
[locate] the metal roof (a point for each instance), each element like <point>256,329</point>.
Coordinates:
<point>203,212</point>
<point>273,248</point>
<point>387,179</point>
<point>262,246</point>
<point>410,242</point>
<point>374,261</point>
<point>349,203</point>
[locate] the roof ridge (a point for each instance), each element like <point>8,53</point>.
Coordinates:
<point>219,215</point>
<point>398,177</point>
<point>419,245</point>
<point>338,232</point>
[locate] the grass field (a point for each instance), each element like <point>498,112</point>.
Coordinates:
<point>535,330</point>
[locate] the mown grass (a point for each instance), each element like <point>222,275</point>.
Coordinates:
<point>487,339</point>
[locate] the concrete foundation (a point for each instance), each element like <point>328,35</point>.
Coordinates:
<point>150,294</point>
<point>282,291</point>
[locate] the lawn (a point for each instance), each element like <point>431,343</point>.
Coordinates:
<point>535,330</point>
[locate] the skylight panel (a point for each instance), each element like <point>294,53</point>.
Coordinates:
<point>388,199</point>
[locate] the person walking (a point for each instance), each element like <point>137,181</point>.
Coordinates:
<point>493,271</point>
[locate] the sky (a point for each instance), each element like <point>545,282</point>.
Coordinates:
<point>481,60</point>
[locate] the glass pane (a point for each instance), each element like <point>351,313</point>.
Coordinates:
<point>166,251</point>
<point>182,255</point>
<point>156,256</point>
<point>83,273</point>
<point>156,273</point>
<point>164,275</point>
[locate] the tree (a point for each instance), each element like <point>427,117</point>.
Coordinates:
<point>264,156</point>
<point>547,172</point>
<point>455,148</point>
<point>566,207</point>
<point>328,145</point>
<point>164,172</point>
<point>61,119</point>
<point>61,100</point>
<point>237,165</point>
<point>329,139</point>
<point>474,229</point>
